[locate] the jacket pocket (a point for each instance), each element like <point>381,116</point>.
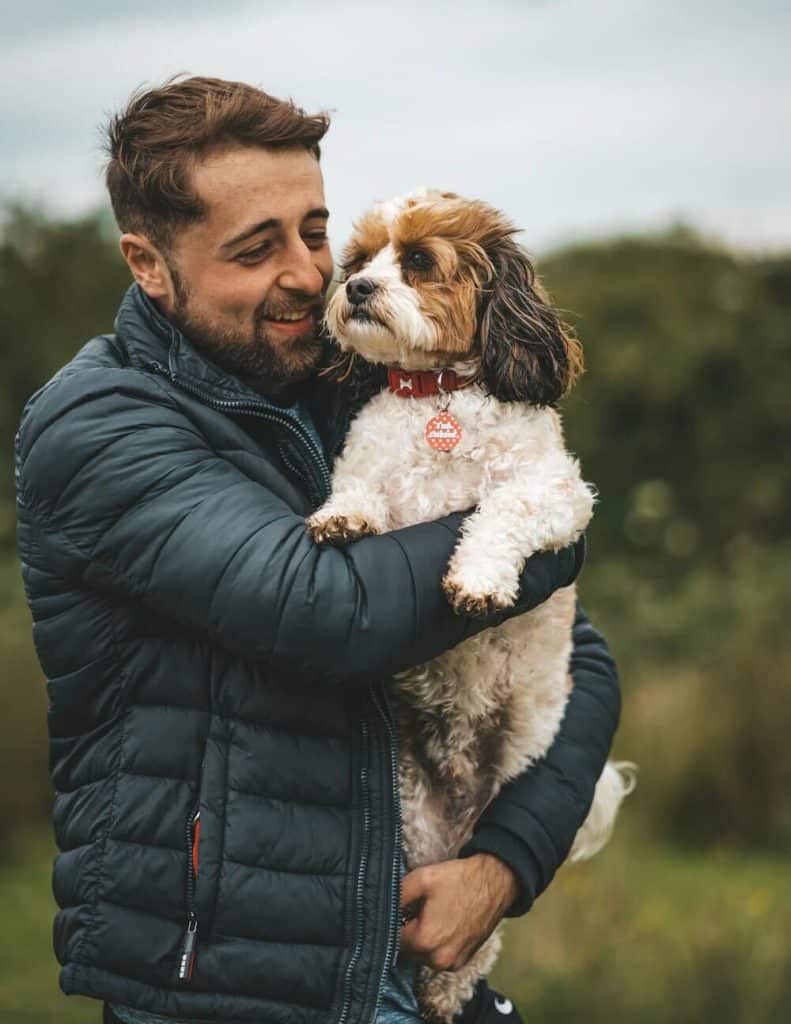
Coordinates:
<point>192,839</point>
<point>195,843</point>
<point>203,838</point>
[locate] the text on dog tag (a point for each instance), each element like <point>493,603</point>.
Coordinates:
<point>443,432</point>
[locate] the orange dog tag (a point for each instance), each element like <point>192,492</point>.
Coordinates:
<point>443,432</point>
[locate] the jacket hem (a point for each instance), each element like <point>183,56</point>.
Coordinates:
<point>197,1007</point>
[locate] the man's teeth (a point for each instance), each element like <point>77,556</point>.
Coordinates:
<point>291,319</point>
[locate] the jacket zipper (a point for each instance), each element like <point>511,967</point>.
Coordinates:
<point>187,958</point>
<point>394,930</point>
<point>192,826</point>
<point>358,895</point>
<point>262,412</point>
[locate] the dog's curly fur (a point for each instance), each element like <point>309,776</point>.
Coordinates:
<point>485,710</point>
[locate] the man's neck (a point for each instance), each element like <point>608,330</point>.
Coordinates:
<point>285,396</point>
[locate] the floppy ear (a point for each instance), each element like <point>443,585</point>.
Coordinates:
<point>527,353</point>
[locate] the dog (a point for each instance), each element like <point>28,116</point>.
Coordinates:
<point>436,289</point>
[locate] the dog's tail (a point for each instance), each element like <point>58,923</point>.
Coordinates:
<point>617,781</point>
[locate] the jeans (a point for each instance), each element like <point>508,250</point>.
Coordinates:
<point>399,1005</point>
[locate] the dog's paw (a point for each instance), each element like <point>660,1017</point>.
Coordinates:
<point>474,601</point>
<point>338,529</point>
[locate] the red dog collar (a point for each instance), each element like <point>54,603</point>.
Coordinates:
<point>421,383</point>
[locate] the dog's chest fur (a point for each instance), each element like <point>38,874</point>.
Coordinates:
<point>421,483</point>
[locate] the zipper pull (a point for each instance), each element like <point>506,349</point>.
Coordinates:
<point>157,367</point>
<point>187,961</point>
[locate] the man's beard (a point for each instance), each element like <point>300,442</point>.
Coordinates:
<point>256,362</point>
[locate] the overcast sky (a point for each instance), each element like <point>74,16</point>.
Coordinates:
<point>577,117</point>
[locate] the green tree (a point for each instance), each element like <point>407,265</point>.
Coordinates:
<point>60,284</point>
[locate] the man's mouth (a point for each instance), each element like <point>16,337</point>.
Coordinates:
<point>293,323</point>
<point>290,318</point>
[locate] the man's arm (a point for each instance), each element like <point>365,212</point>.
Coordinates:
<point>120,492</point>
<point>526,832</point>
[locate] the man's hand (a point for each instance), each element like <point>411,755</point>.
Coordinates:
<point>452,908</point>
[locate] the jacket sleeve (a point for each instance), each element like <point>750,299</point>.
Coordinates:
<point>127,497</point>
<point>532,822</point>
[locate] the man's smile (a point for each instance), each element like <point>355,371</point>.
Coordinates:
<point>286,325</point>
<point>293,323</point>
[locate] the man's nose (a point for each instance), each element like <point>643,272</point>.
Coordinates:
<point>301,273</point>
<point>359,289</point>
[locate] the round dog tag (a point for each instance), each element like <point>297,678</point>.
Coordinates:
<point>443,432</point>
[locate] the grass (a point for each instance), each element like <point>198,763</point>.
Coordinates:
<point>29,992</point>
<point>644,934</point>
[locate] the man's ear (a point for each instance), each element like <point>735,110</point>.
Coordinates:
<point>149,268</point>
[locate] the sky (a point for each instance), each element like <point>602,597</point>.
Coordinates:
<point>578,118</point>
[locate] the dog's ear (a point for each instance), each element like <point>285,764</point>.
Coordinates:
<point>527,353</point>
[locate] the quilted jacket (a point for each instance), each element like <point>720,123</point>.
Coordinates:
<point>222,753</point>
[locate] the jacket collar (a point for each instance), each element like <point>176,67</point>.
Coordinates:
<point>151,339</point>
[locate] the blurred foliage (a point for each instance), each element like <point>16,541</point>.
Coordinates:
<point>60,284</point>
<point>683,421</point>
<point>684,414</point>
<point>644,934</point>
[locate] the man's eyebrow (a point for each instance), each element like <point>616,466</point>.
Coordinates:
<point>272,222</point>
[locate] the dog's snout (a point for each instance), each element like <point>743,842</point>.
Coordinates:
<point>359,289</point>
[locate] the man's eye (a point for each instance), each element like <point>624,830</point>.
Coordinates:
<point>317,238</point>
<point>418,259</point>
<point>254,255</point>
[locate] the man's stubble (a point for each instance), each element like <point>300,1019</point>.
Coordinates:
<point>258,363</point>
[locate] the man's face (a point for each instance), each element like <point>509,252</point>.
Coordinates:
<point>250,278</point>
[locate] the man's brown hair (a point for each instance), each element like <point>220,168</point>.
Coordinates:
<point>154,143</point>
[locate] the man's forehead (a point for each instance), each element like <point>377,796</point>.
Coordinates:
<point>244,185</point>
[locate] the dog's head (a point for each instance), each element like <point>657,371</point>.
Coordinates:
<point>434,280</point>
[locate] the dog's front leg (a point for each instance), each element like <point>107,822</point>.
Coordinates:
<point>547,508</point>
<point>355,509</point>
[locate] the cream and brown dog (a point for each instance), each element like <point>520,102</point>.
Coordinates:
<point>436,289</point>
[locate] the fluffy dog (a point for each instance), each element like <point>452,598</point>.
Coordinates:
<point>437,290</point>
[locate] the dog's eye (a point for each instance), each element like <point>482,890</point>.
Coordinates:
<point>349,267</point>
<point>418,259</point>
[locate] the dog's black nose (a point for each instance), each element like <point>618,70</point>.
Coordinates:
<point>359,289</point>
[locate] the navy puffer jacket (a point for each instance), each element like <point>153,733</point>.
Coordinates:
<point>222,753</point>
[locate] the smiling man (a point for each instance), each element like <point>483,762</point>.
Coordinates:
<point>250,309</point>
<point>223,754</point>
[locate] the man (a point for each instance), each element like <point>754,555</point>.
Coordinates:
<point>222,748</point>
